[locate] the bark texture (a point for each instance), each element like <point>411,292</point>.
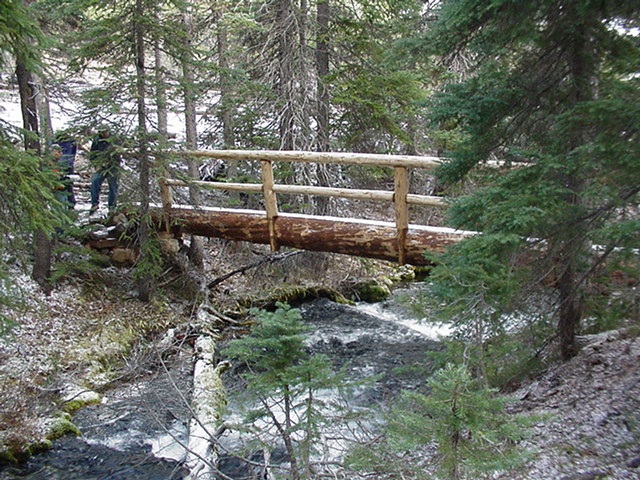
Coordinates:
<point>325,234</point>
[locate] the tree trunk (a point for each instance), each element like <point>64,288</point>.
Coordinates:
<point>226,89</point>
<point>284,25</point>
<point>42,260</point>
<point>44,110</point>
<point>41,272</point>
<point>227,107</point>
<point>322,101</point>
<point>571,306</point>
<point>322,70</point>
<point>161,94</point>
<point>347,236</point>
<point>570,290</point>
<point>28,107</point>
<point>286,436</point>
<point>302,83</point>
<point>196,247</point>
<point>145,279</point>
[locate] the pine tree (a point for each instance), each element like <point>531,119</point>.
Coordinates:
<point>377,91</point>
<point>458,430</point>
<point>468,423</point>
<point>28,208</point>
<point>116,39</point>
<point>283,380</point>
<point>185,54</point>
<point>553,89</point>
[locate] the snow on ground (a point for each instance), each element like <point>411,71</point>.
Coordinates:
<point>591,414</point>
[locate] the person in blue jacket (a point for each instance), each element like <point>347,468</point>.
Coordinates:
<point>105,158</point>
<point>66,163</point>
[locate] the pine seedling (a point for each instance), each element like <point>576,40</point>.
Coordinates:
<point>467,423</point>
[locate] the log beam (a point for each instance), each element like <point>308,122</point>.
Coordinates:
<point>425,162</point>
<point>327,234</point>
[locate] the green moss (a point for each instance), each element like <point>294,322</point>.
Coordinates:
<point>373,290</point>
<point>294,295</point>
<point>81,402</point>
<point>39,447</point>
<point>19,452</point>
<point>7,458</point>
<point>422,272</point>
<point>105,351</point>
<point>62,426</point>
<point>404,273</point>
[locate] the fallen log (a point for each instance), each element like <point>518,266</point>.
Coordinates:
<point>364,238</point>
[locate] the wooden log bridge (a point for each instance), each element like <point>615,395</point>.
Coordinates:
<point>396,241</point>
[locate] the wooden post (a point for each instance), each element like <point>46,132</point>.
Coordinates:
<point>401,189</point>
<point>270,202</point>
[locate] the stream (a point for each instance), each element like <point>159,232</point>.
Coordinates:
<point>139,430</point>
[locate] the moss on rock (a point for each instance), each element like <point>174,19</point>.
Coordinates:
<point>293,295</point>
<point>7,457</point>
<point>61,426</point>
<point>81,400</point>
<point>18,451</point>
<point>373,290</point>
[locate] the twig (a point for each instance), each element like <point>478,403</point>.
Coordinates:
<point>212,311</point>
<point>268,259</point>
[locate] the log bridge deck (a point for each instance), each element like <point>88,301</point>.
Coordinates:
<point>396,240</point>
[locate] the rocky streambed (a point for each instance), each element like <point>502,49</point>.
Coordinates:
<point>141,429</point>
<point>589,407</point>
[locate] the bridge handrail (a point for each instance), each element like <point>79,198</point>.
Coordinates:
<point>353,193</point>
<point>400,196</point>
<point>345,158</point>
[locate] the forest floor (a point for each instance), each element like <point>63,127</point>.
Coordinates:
<point>590,408</point>
<point>86,333</point>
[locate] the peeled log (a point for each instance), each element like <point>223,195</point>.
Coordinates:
<point>362,238</point>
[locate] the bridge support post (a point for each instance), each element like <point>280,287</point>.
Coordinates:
<point>270,202</point>
<point>401,190</point>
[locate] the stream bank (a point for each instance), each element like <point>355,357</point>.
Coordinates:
<point>379,355</point>
<point>131,433</point>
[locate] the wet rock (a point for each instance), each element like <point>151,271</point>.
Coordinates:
<point>634,462</point>
<point>98,463</point>
<point>168,243</point>
<point>123,256</point>
<point>132,433</point>
<point>372,290</point>
<point>592,475</point>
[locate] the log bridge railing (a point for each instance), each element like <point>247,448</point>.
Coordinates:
<point>397,241</point>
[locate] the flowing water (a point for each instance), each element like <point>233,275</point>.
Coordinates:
<point>381,341</point>
<point>139,430</point>
<point>132,434</point>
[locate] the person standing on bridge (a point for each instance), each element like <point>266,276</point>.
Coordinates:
<point>105,158</point>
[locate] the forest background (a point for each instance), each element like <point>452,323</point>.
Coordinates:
<point>548,88</point>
